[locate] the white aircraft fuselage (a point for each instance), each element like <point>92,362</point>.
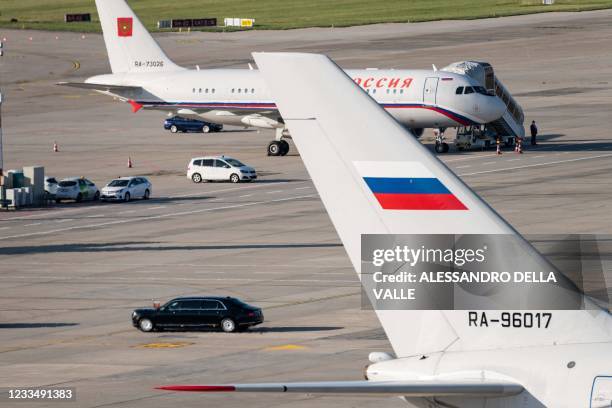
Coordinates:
<point>416,98</point>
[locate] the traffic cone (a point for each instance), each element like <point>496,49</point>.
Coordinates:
<point>55,147</point>
<point>130,164</point>
<point>498,152</point>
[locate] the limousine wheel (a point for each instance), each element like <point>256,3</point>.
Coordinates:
<point>205,129</point>
<point>228,325</point>
<point>145,325</point>
<point>173,129</point>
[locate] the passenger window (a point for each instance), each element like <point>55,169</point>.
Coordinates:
<point>207,162</point>
<point>193,90</point>
<point>246,90</point>
<point>197,162</point>
<point>173,306</point>
<point>459,90</point>
<point>469,90</point>
<point>221,163</point>
<point>232,90</point>
<point>209,305</point>
<point>81,183</point>
<point>252,90</point>
<point>200,90</point>
<point>189,304</point>
<point>206,90</point>
<point>213,90</point>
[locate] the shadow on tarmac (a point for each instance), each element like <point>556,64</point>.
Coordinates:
<point>34,325</point>
<point>131,246</point>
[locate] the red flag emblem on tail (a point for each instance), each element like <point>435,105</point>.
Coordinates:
<point>124,26</point>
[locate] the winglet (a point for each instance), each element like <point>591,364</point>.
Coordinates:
<point>135,105</point>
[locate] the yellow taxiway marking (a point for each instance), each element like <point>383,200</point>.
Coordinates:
<point>76,65</point>
<point>285,347</point>
<point>165,345</point>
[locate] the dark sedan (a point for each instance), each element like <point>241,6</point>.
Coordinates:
<point>179,124</point>
<point>226,313</point>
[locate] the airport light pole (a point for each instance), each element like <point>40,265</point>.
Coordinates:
<point>2,189</point>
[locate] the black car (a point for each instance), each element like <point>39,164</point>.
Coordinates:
<point>180,124</point>
<point>226,313</point>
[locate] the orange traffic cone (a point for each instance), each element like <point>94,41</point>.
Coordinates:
<point>55,147</point>
<point>130,164</point>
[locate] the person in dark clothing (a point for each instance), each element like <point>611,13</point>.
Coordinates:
<point>534,132</point>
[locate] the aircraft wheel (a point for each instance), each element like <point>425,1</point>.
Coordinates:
<point>274,148</point>
<point>439,148</point>
<point>284,147</point>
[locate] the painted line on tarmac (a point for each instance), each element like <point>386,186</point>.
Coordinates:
<point>4,228</point>
<point>175,278</point>
<point>154,217</point>
<point>182,265</point>
<point>156,208</point>
<point>537,165</point>
<point>274,192</point>
<point>33,224</point>
<point>204,193</point>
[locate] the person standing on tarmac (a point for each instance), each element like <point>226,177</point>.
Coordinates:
<point>534,132</point>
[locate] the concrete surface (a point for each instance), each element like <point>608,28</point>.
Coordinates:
<point>71,274</point>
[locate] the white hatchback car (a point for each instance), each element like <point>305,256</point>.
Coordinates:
<point>219,168</point>
<point>126,188</point>
<point>76,188</point>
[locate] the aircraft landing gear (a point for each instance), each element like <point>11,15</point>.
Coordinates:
<point>441,146</point>
<point>278,147</point>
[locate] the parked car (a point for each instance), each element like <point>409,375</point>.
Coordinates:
<point>178,124</point>
<point>127,188</point>
<point>225,313</point>
<point>51,185</point>
<point>76,188</point>
<point>224,168</point>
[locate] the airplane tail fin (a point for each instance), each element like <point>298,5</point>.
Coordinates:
<point>376,180</point>
<point>130,47</point>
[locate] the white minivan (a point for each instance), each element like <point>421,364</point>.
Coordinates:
<point>214,168</point>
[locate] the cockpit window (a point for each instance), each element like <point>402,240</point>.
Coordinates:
<point>481,90</point>
<point>469,90</point>
<point>459,90</point>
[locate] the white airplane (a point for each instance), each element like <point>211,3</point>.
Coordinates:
<point>443,358</point>
<point>146,78</point>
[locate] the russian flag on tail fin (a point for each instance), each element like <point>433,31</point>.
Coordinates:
<point>407,186</point>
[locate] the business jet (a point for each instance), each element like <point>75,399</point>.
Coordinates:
<point>394,185</point>
<point>145,77</point>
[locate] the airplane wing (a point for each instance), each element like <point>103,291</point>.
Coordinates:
<point>101,87</point>
<point>437,388</point>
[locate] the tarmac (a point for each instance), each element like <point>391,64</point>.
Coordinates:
<point>72,273</point>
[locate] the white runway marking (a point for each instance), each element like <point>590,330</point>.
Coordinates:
<point>302,188</point>
<point>126,212</point>
<point>487,163</point>
<point>464,167</point>
<point>246,195</point>
<point>4,228</point>
<point>156,208</point>
<point>64,220</point>
<point>226,189</point>
<point>513,160</point>
<point>31,225</point>
<point>537,165</point>
<point>155,217</point>
<point>275,192</point>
